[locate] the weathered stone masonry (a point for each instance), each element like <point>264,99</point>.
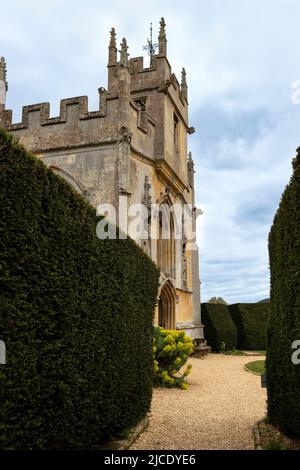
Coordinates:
<point>133,147</point>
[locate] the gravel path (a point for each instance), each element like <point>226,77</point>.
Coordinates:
<point>216,412</point>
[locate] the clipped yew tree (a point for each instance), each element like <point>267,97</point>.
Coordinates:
<point>75,315</point>
<point>283,377</point>
<point>219,329</point>
<point>251,321</point>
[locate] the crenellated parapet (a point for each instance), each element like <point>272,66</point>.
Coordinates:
<point>148,100</point>
<point>43,111</point>
<point>76,126</point>
<point>136,65</point>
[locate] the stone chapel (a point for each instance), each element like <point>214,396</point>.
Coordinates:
<point>132,149</point>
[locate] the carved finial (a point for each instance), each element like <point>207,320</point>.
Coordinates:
<point>112,43</point>
<point>162,40</point>
<point>3,82</point>
<point>190,162</point>
<point>112,49</point>
<point>3,71</point>
<point>191,169</point>
<point>183,87</point>
<point>124,53</point>
<point>147,196</point>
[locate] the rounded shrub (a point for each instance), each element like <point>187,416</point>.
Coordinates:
<point>171,350</point>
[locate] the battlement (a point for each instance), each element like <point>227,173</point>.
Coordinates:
<point>148,101</point>
<point>76,126</point>
<point>42,111</point>
<point>136,64</point>
<point>159,69</point>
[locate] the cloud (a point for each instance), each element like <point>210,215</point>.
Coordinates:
<point>241,60</point>
<point>239,202</point>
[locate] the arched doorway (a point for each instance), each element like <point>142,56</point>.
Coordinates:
<point>166,307</point>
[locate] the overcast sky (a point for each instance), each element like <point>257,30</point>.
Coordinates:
<point>241,58</point>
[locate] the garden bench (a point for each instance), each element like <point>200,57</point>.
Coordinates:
<point>202,351</point>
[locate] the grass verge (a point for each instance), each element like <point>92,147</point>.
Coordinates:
<point>257,367</point>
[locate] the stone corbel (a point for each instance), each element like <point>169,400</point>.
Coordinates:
<point>167,83</point>
<point>164,86</point>
<point>125,135</point>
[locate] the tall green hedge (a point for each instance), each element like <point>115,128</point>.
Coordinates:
<point>218,326</point>
<point>75,313</point>
<point>283,377</point>
<point>251,321</point>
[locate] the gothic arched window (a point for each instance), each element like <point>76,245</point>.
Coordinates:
<point>166,241</point>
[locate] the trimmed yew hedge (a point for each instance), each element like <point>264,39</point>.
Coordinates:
<point>218,326</point>
<point>283,377</point>
<point>251,321</point>
<point>75,313</point>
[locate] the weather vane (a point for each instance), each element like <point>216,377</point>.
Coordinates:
<point>150,48</point>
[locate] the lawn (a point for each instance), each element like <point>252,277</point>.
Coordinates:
<point>258,367</point>
<point>238,352</point>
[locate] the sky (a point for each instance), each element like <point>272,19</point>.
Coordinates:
<point>242,60</point>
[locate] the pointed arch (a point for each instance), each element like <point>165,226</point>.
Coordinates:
<point>72,180</point>
<point>166,306</point>
<point>166,197</point>
<point>166,252</point>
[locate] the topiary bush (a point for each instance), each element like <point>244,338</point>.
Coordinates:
<point>76,315</point>
<point>171,350</point>
<point>218,326</point>
<point>283,377</point>
<point>251,321</point>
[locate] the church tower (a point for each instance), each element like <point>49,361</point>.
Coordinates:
<point>132,150</point>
